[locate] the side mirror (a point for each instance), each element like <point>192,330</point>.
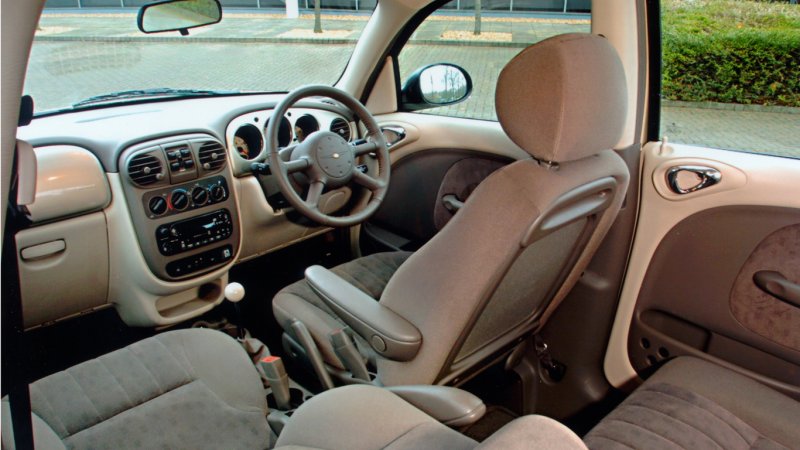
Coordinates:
<point>178,15</point>
<point>436,85</point>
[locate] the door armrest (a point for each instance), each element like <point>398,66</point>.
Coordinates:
<point>389,334</point>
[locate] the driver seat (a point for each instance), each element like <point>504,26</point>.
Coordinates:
<point>502,265</point>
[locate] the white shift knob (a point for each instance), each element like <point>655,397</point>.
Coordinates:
<point>234,292</point>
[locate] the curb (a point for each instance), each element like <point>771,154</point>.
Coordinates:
<point>731,107</point>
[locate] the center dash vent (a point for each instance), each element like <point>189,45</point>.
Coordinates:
<point>145,169</point>
<point>341,127</point>
<point>211,155</point>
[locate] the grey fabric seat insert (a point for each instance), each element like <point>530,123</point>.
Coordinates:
<point>183,389</point>
<point>690,403</point>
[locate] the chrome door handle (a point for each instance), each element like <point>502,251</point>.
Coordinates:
<point>393,134</point>
<point>699,177</point>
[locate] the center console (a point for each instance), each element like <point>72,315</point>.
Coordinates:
<point>179,194</point>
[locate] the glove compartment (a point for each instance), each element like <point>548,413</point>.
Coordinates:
<point>63,256</point>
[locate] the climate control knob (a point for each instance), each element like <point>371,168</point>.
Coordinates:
<point>179,199</point>
<point>218,193</point>
<point>157,205</point>
<point>199,196</point>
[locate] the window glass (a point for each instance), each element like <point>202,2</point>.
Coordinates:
<point>731,74</point>
<point>506,27</point>
<point>85,48</point>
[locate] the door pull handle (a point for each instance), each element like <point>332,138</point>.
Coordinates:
<point>776,285</point>
<point>688,179</point>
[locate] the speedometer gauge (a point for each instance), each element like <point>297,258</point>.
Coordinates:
<point>241,147</point>
<point>248,141</point>
<point>304,126</point>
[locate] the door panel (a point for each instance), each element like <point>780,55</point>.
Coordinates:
<point>689,287</point>
<point>438,157</point>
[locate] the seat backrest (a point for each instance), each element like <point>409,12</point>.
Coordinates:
<point>505,261</point>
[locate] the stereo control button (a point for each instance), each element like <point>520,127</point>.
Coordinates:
<point>162,232</point>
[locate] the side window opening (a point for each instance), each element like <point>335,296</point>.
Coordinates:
<point>454,35</point>
<point>731,75</point>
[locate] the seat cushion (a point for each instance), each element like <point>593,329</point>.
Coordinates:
<point>181,389</point>
<point>690,403</point>
<point>364,417</point>
<point>298,301</point>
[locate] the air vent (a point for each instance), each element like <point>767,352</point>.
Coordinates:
<point>211,155</point>
<point>145,169</point>
<point>341,127</point>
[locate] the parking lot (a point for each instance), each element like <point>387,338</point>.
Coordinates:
<point>266,52</point>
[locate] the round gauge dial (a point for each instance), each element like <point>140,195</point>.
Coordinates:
<point>304,126</point>
<point>241,147</point>
<point>284,132</point>
<point>248,141</point>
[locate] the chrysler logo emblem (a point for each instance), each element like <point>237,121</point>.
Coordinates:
<point>335,156</point>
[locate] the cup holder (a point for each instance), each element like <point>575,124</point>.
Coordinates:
<point>296,398</point>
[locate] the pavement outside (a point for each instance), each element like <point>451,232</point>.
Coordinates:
<point>78,54</point>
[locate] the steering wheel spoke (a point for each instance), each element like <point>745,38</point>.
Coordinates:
<point>296,165</point>
<point>314,194</point>
<point>367,181</point>
<point>364,148</point>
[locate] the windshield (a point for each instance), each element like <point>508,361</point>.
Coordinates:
<point>80,53</point>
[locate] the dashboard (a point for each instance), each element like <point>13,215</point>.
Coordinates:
<point>146,207</point>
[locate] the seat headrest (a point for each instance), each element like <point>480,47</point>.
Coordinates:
<point>564,98</point>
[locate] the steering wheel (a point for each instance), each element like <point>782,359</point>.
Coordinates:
<point>328,161</point>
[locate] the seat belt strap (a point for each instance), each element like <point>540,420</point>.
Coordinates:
<point>15,353</point>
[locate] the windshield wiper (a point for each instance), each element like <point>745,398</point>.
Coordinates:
<point>147,93</point>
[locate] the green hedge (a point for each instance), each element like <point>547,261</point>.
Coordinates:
<point>711,56</point>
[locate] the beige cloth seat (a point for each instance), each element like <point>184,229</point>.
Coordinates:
<point>197,389</point>
<point>364,417</point>
<point>687,404</point>
<point>692,404</point>
<point>502,265</point>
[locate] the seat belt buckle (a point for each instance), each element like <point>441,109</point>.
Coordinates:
<point>278,379</point>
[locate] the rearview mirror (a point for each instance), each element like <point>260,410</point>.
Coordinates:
<point>178,15</point>
<point>436,85</point>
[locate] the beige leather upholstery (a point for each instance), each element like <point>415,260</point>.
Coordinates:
<point>500,267</point>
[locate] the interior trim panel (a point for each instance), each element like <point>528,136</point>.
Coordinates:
<point>765,183</point>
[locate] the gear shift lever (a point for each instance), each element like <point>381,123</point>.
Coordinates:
<point>234,293</point>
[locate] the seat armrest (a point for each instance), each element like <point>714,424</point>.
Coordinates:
<point>451,406</point>
<point>388,333</point>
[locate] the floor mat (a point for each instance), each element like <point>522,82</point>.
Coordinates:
<point>494,419</point>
